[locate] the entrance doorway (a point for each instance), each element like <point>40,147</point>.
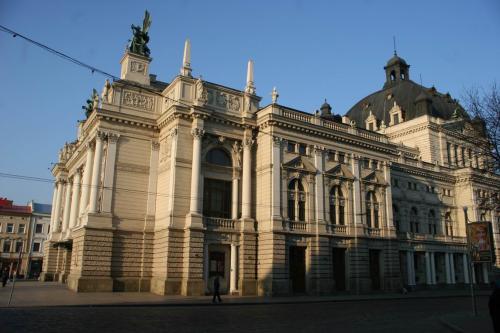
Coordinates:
<point>338,256</point>
<point>297,265</point>
<point>375,268</point>
<point>218,265</point>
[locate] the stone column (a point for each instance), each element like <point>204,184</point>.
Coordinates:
<point>358,219</point>
<point>67,207</point>
<point>452,268</point>
<point>152,185</point>
<point>109,173</point>
<point>96,173</point>
<point>428,271</point>
<point>496,236</point>
<point>246,203</point>
<point>57,211</point>
<point>196,194</point>
<point>410,268</point>
<point>319,185</point>
<point>276,179</point>
<point>54,199</point>
<point>466,268</point>
<point>234,269</point>
<point>388,196</point>
<point>433,268</point>
<point>74,200</point>
<point>173,164</point>
<point>447,267</point>
<point>452,154</point>
<point>484,266</point>
<point>87,174</point>
<point>234,199</point>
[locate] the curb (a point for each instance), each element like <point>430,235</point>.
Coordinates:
<point>451,326</point>
<point>241,303</point>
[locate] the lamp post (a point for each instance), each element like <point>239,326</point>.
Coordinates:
<point>471,282</point>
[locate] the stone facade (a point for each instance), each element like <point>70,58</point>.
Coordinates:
<point>168,185</point>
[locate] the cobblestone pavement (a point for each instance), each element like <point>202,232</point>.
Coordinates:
<point>51,307</point>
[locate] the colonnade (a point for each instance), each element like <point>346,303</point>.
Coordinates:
<point>79,193</point>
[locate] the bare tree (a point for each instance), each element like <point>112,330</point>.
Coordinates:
<point>484,106</point>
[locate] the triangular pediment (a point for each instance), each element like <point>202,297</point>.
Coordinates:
<point>341,170</point>
<point>301,163</point>
<point>373,176</point>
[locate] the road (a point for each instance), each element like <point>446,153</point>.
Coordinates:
<point>410,315</point>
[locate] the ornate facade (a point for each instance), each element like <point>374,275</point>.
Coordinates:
<point>171,184</point>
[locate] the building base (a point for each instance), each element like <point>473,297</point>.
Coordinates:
<point>161,286</point>
<point>131,284</point>
<point>248,287</point>
<point>89,284</point>
<point>193,287</point>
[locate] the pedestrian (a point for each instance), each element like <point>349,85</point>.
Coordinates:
<point>494,304</point>
<point>5,276</point>
<point>216,289</point>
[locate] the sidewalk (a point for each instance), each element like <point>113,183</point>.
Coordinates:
<point>467,323</point>
<point>42,294</point>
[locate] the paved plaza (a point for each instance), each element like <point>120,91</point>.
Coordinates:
<point>50,307</point>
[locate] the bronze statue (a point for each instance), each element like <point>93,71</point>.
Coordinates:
<point>141,38</point>
<point>90,103</point>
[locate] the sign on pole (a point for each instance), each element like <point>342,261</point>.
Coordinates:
<point>479,238</point>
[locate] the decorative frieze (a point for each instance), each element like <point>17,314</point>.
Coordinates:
<point>223,100</point>
<point>139,101</point>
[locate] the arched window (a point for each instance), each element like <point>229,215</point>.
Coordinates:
<point>395,215</point>
<point>431,220</point>
<point>403,77</point>
<point>372,217</point>
<point>393,76</point>
<point>337,206</point>
<point>296,201</point>
<point>219,156</point>
<point>448,224</point>
<point>414,223</point>
<point>482,217</point>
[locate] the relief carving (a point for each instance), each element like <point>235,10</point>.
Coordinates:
<point>139,101</point>
<point>138,67</point>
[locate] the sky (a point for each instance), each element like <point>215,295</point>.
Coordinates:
<point>310,50</point>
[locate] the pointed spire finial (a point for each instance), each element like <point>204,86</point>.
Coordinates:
<point>394,44</point>
<point>250,87</point>
<point>274,96</point>
<point>186,60</point>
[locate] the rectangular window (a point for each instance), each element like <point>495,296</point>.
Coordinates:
<point>370,126</point>
<point>395,119</point>
<point>302,149</point>
<point>448,152</point>
<point>409,185</point>
<point>217,198</point>
<point>341,158</point>
<point>290,147</point>
<point>10,228</point>
<point>39,228</point>
<point>21,229</point>
<point>19,246</point>
<point>6,246</point>
<point>36,247</point>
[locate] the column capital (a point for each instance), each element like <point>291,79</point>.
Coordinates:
<point>277,141</point>
<point>197,133</point>
<point>155,145</point>
<point>248,142</point>
<point>113,138</point>
<point>318,150</point>
<point>100,135</point>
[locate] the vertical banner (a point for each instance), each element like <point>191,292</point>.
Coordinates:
<point>479,237</point>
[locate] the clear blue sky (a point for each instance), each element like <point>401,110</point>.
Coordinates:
<point>310,50</point>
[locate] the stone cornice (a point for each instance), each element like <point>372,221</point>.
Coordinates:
<point>311,129</point>
<point>439,176</point>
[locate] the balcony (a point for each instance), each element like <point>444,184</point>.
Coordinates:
<point>217,223</point>
<point>429,237</point>
<point>336,229</point>
<point>373,232</point>
<point>289,225</point>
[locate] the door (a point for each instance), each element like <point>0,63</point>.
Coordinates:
<point>217,267</point>
<point>338,256</point>
<point>375,269</point>
<point>297,265</point>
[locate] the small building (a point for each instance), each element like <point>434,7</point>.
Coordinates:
<point>40,227</point>
<point>14,236</point>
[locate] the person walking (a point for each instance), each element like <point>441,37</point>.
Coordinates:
<point>494,304</point>
<point>216,289</point>
<point>5,276</point>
